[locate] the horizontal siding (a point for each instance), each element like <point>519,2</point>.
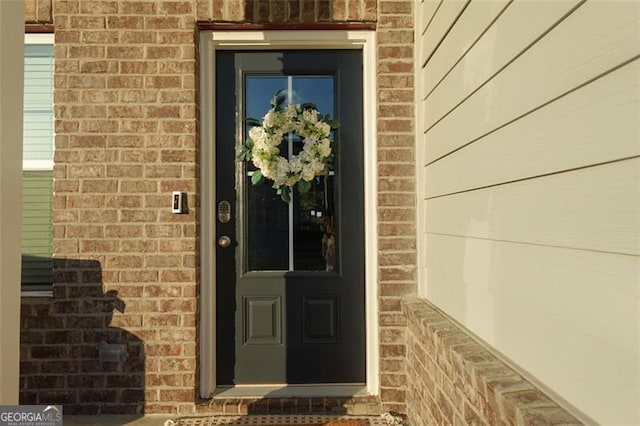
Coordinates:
<point>571,137</point>
<point>424,13</point>
<point>572,54</point>
<point>442,21</point>
<point>570,316</point>
<point>529,212</point>
<point>524,21</point>
<point>588,209</point>
<point>37,228</point>
<point>477,17</point>
<point>38,102</point>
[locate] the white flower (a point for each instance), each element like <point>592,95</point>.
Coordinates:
<point>277,124</point>
<point>290,113</point>
<point>323,128</point>
<point>307,173</point>
<point>270,119</point>
<point>310,115</point>
<point>325,147</point>
<point>295,163</point>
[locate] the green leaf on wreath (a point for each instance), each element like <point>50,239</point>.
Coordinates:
<point>257,177</point>
<point>304,186</point>
<point>308,105</point>
<point>285,194</point>
<point>278,99</point>
<point>253,122</point>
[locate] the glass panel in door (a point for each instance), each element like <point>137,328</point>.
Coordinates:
<point>301,235</point>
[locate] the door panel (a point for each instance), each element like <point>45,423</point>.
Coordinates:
<point>290,287</point>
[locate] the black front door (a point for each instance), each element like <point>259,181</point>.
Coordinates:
<point>290,275</point>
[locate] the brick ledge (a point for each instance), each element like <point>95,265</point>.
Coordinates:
<point>352,405</point>
<point>468,382</point>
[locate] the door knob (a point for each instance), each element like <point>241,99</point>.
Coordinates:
<point>224,241</point>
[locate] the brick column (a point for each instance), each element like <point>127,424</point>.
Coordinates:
<point>11,83</point>
<point>396,192</point>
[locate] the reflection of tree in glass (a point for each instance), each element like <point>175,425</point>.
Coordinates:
<point>329,243</point>
<point>312,200</point>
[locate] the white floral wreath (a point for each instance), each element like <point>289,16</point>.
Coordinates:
<point>262,147</point>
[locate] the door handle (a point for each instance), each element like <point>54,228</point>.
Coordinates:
<point>224,241</point>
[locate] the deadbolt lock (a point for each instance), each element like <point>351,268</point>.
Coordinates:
<point>224,211</point>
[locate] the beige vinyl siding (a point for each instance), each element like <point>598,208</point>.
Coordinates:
<point>529,212</point>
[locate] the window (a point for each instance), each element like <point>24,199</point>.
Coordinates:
<point>37,166</point>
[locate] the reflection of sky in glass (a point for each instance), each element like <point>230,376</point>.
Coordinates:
<point>261,88</point>
<point>259,91</point>
<point>316,89</point>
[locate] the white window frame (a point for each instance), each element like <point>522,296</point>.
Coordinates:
<point>212,41</point>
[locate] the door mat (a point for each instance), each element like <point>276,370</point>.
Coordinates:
<point>285,420</point>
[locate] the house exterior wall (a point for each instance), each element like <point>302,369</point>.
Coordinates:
<point>528,189</point>
<point>126,269</point>
<point>454,379</point>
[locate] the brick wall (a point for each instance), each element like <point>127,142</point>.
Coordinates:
<point>452,379</point>
<point>37,12</point>
<point>126,136</point>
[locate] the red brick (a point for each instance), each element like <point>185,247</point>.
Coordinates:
<point>178,276</point>
<point>100,37</point>
<point>162,52</point>
<point>138,126</point>
<point>165,111</point>
<point>176,7</point>
<point>87,82</point>
<point>395,21</point>
<point>126,22</point>
<point>164,22</point>
<point>370,10</point>
<point>126,52</point>
<point>138,186</point>
<point>87,22</point>
<point>400,37</point>
<point>138,8</point>
<point>176,37</point>
<point>99,126</point>
<point>138,67</point>
<point>120,201</point>
<point>100,216</point>
<point>120,171</point>
<point>98,66</point>
<point>125,111</point>
<point>138,216</point>
<point>162,82</point>
<point>138,37</point>
<point>98,96</point>
<point>142,276</point>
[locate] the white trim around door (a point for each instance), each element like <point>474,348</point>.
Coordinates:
<point>210,42</point>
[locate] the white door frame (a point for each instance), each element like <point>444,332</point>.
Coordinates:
<point>210,42</point>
